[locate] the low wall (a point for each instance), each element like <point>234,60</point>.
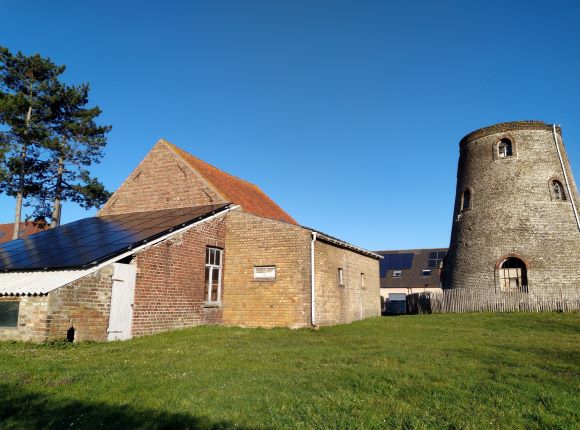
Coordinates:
<point>463,300</point>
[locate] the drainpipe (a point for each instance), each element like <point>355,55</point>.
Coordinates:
<point>570,195</point>
<point>312,282</point>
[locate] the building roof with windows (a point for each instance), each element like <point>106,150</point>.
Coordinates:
<point>411,268</point>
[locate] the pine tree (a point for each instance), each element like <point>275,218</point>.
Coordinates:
<point>27,85</point>
<point>77,143</point>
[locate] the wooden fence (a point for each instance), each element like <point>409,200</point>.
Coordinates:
<point>464,300</point>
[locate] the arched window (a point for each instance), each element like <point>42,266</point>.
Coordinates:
<point>504,148</point>
<point>513,275</point>
<point>558,191</point>
<point>466,201</point>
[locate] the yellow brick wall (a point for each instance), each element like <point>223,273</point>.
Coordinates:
<point>83,305</point>
<point>285,302</point>
<point>31,319</point>
<point>337,304</point>
<point>161,181</point>
<point>255,241</point>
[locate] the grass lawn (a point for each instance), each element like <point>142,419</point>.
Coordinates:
<point>435,371</point>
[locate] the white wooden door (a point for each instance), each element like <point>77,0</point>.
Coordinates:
<point>122,295</point>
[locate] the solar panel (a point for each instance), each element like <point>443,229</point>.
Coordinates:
<point>395,262</point>
<point>90,241</point>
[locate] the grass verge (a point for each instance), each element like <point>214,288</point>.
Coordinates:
<point>469,371</point>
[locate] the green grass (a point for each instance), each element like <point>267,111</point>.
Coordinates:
<point>472,371</point>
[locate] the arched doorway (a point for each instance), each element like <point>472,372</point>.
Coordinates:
<point>513,275</point>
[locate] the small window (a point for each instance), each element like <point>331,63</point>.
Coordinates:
<point>397,273</point>
<point>265,273</point>
<point>340,276</point>
<point>9,313</point>
<point>213,274</point>
<point>426,272</point>
<point>362,280</point>
<point>504,148</point>
<point>558,191</point>
<point>466,201</point>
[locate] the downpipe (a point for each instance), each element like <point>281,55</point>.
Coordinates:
<point>570,195</point>
<point>312,282</point>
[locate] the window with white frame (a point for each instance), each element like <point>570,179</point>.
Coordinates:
<point>213,274</point>
<point>426,272</point>
<point>340,277</point>
<point>264,273</point>
<point>397,273</point>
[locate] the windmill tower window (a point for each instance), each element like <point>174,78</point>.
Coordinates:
<point>504,148</point>
<point>466,201</point>
<point>558,191</point>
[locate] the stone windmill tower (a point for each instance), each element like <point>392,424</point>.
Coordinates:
<point>515,223</point>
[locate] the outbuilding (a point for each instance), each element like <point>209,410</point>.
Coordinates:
<point>181,243</point>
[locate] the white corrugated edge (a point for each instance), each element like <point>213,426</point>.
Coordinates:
<point>38,283</point>
<point>42,282</point>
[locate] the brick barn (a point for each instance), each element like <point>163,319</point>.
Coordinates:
<point>181,243</point>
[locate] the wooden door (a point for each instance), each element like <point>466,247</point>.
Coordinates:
<point>121,315</point>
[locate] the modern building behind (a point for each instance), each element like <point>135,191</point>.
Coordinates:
<point>409,271</point>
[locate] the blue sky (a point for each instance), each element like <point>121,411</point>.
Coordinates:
<point>347,113</point>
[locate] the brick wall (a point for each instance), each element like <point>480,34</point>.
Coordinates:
<point>337,304</point>
<point>285,302</point>
<point>84,305</point>
<point>161,181</point>
<point>31,319</point>
<point>169,292</point>
<point>255,241</point>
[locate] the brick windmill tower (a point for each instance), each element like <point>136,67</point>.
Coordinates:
<point>516,225</point>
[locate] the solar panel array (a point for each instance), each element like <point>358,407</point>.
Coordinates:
<point>395,262</point>
<point>90,241</point>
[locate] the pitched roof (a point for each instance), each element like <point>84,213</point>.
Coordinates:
<point>411,263</point>
<point>90,241</point>
<point>251,198</point>
<point>342,244</point>
<point>26,229</point>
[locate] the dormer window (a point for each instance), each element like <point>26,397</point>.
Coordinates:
<point>504,148</point>
<point>558,191</point>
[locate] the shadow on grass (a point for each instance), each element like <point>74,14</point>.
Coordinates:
<point>25,410</point>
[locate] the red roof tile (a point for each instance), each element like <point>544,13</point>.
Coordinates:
<point>236,190</point>
<point>26,229</point>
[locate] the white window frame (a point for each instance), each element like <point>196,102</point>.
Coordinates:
<point>210,250</point>
<point>426,272</point>
<point>397,273</point>
<point>264,273</point>
<point>340,277</point>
